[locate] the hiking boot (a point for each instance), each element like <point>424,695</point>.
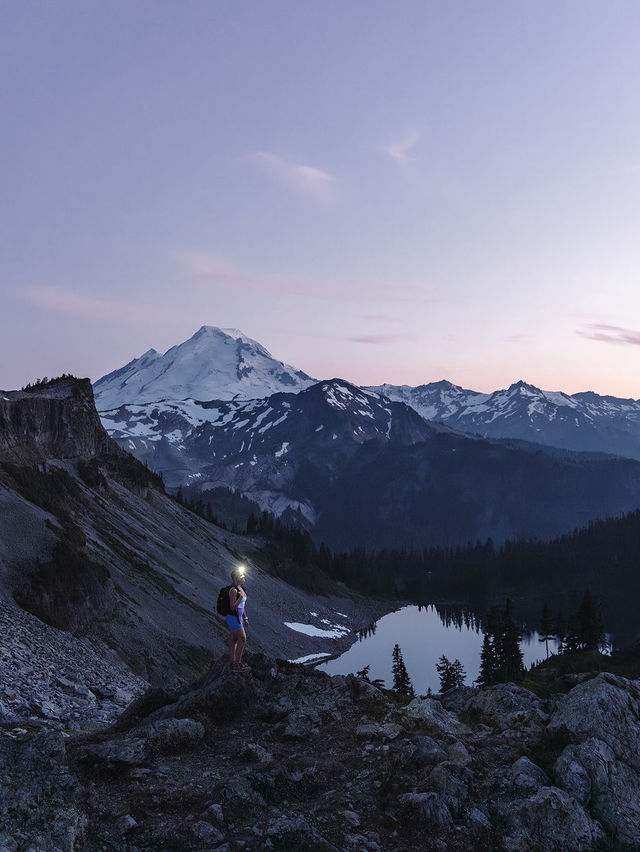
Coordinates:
<point>240,667</point>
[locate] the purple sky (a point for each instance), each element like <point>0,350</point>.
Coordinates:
<point>389,191</point>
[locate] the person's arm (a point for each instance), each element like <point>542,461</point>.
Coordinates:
<point>234,598</point>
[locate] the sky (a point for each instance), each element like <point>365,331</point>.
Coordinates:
<point>382,191</point>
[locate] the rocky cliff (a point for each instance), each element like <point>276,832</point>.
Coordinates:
<point>288,758</point>
<point>55,420</point>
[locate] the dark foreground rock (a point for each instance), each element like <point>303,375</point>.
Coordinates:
<point>288,758</point>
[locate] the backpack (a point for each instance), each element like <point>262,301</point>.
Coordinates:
<point>223,606</point>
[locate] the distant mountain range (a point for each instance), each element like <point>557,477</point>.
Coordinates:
<point>380,466</point>
<point>582,421</point>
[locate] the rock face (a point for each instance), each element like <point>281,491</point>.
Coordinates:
<point>60,421</point>
<point>285,757</point>
<point>602,770</point>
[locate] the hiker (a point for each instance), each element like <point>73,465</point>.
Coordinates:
<point>237,620</point>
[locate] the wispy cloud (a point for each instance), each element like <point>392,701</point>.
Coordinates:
<point>378,339</point>
<point>611,334</point>
<point>62,301</point>
<point>308,181</point>
<point>210,268</point>
<point>399,151</point>
<point>214,270</point>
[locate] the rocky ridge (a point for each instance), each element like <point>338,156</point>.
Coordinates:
<point>289,758</point>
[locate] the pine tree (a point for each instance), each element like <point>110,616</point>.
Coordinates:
<point>487,662</point>
<point>452,674</point>
<point>504,660</point>
<point>458,673</point>
<point>401,681</point>
<point>546,627</point>
<point>590,626</point>
<point>560,632</point>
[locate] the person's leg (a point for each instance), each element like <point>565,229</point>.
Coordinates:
<point>240,643</point>
<point>232,646</point>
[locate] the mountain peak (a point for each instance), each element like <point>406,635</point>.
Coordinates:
<point>214,363</point>
<point>521,385</point>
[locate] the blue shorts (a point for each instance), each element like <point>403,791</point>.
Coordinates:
<point>233,623</point>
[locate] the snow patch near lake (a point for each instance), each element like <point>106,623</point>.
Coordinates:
<point>310,630</point>
<point>310,657</point>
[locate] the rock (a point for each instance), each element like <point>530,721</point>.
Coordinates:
<point>66,684</point>
<point>549,821</point>
<point>603,769</point>
<point>173,734</point>
<point>206,832</point>
<point>453,782</point>
<point>606,707</point>
<point>388,731</point>
<point>254,751</point>
<point>527,777</point>
<point>429,808</point>
<point>427,751</point>
<point>118,753</point>
<point>478,819</point>
<point>610,788</point>
<point>297,727</point>
<point>289,829</point>
<point>508,707</point>
<point>124,824</point>
<point>351,817</point>
<point>214,814</point>
<point>455,699</point>
<point>362,690</point>
<point>458,754</point>
<point>431,713</point>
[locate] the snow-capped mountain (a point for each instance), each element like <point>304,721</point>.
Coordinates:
<point>250,445</point>
<point>582,421</point>
<point>364,470</point>
<point>216,363</point>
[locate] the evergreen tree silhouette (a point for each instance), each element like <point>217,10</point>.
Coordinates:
<point>546,627</point>
<point>487,662</point>
<point>591,629</point>
<point>452,674</point>
<point>401,681</point>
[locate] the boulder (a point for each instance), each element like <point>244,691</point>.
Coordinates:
<point>427,751</point>
<point>116,754</point>
<point>174,734</point>
<point>602,768</point>
<point>508,707</point>
<point>606,707</point>
<point>609,787</point>
<point>432,714</point>
<point>527,777</point>
<point>429,808</point>
<point>550,821</point>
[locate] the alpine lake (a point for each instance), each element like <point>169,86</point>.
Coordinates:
<point>424,634</point>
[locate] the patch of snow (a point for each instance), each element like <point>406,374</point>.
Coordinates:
<point>311,630</point>
<point>319,428</point>
<point>310,657</point>
<point>283,449</point>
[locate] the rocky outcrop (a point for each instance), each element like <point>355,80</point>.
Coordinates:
<point>285,757</point>
<point>602,769</point>
<point>58,420</point>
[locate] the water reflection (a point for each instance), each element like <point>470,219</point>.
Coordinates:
<point>424,634</point>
